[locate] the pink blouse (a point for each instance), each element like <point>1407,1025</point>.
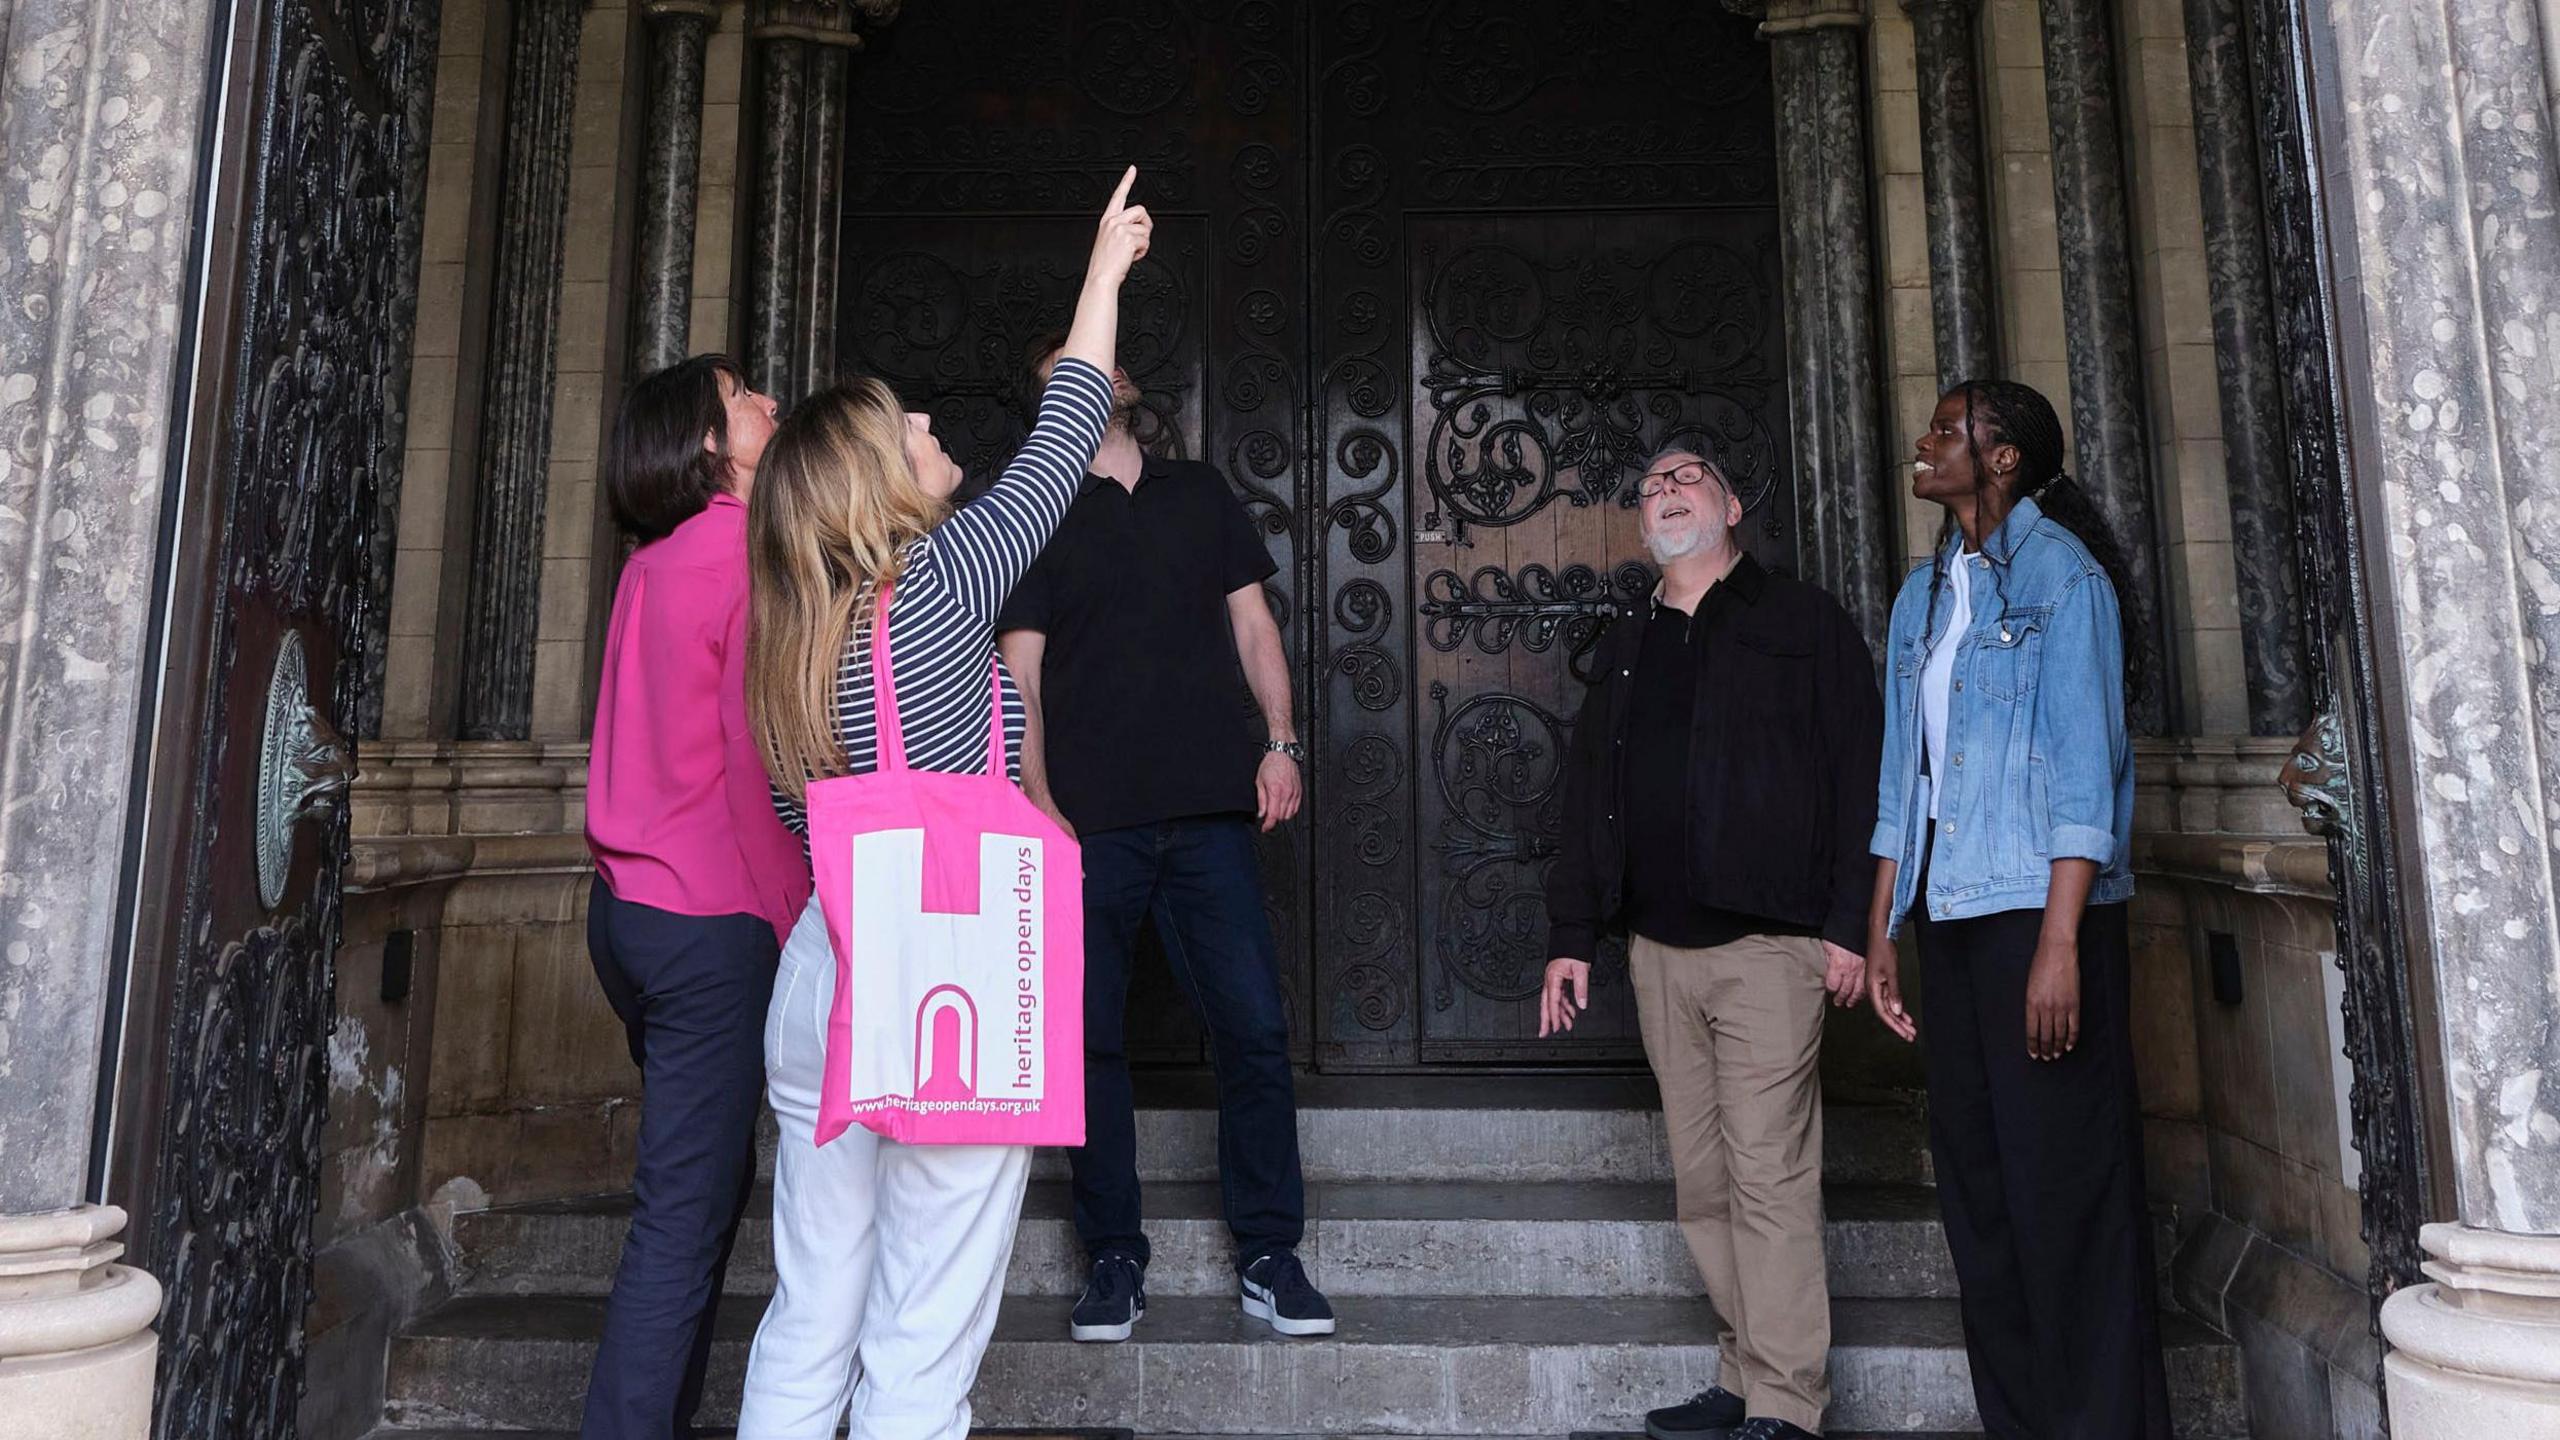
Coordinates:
<point>679,814</point>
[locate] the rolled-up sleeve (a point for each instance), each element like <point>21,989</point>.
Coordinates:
<point>2079,726</point>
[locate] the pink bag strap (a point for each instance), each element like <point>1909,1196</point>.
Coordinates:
<point>884,691</point>
<point>995,720</point>
<point>884,700</point>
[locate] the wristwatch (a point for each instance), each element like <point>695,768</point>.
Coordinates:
<point>1290,748</point>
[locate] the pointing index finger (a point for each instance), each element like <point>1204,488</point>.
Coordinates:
<point>1120,196</point>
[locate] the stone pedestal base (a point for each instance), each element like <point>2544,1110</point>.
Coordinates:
<point>2477,1353</point>
<point>76,1348</point>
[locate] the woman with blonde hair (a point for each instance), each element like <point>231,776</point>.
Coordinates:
<point>890,1258</point>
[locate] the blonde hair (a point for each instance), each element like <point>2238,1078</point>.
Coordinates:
<point>834,508</point>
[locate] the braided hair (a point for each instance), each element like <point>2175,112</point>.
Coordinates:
<point>2004,412</point>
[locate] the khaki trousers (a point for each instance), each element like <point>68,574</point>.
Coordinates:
<point>1733,1034</point>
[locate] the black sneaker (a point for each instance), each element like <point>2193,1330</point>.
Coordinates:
<point>1769,1427</point>
<point>1114,1298</point>
<point>1276,1289</point>
<point>1707,1415</point>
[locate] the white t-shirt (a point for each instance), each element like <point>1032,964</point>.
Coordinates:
<point>1939,673</point>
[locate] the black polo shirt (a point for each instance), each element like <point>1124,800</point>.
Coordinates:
<point>1143,704</point>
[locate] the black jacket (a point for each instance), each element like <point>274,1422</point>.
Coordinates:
<point>1787,727</point>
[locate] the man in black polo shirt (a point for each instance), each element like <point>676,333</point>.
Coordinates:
<point>1719,797</point>
<point>1126,638</point>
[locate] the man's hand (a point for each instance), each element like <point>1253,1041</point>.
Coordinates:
<point>1884,985</point>
<point>1846,977</point>
<point>1277,789</point>
<point>1555,1009</point>
<point>2053,999</point>
<point>1050,808</point>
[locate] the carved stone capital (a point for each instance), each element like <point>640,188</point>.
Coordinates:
<point>1790,17</point>
<point>827,22</point>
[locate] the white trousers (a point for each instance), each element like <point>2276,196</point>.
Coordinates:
<point>890,1259</point>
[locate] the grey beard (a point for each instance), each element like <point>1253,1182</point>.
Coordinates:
<point>1665,550</point>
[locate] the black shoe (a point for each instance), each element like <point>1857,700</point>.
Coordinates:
<point>1276,1289</point>
<point>1707,1415</point>
<point>1114,1297</point>
<point>1769,1427</point>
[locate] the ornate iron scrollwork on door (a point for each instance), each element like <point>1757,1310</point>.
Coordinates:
<point>230,1176</point>
<point>2334,774</point>
<point>1498,761</point>
<point>1534,608</point>
<point>1557,380</point>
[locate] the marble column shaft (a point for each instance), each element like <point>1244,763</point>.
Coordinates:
<point>2102,337</point>
<point>2245,335</point>
<point>99,148</point>
<point>1961,285</point>
<point>2455,244</point>
<point>773,287</point>
<point>821,194</point>
<point>679,34</point>
<point>1827,247</point>
<point>502,607</point>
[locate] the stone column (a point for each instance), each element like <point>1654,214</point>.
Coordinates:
<point>773,293</point>
<point>99,148</point>
<point>2245,365</point>
<point>679,31</point>
<point>2109,437</point>
<point>501,609</point>
<point>1827,248</point>
<point>1959,203</point>
<point>2443,194</point>
<point>821,192</point>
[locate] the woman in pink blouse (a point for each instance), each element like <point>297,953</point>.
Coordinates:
<point>695,877</point>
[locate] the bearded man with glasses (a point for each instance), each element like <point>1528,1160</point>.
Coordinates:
<point>1719,797</point>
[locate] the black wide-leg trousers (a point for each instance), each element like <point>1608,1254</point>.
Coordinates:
<point>2039,1169</point>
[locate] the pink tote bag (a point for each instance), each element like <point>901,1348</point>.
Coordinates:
<point>956,911</point>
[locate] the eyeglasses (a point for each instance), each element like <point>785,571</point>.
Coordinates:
<point>1685,475</point>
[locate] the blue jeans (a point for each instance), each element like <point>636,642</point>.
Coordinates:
<point>691,991</point>
<point>1197,878</point>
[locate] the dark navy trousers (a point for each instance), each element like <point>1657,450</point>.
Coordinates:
<point>692,992</point>
<point>1198,880</point>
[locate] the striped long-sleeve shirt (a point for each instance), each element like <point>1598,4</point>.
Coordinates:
<point>943,610</point>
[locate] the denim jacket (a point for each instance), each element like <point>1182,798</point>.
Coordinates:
<point>2039,768</point>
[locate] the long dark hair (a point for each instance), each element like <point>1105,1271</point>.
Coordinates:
<point>2004,412</point>
<point>656,473</point>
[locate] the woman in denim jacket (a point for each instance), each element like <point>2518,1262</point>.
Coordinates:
<point>2004,816</point>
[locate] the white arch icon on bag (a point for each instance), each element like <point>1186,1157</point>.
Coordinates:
<point>947,1045</point>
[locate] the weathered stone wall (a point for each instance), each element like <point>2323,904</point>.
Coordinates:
<point>2244,1087</point>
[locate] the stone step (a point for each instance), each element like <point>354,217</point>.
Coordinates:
<point>1439,1366</point>
<point>1481,1128</point>
<point>1052,1432</point>
<point>1363,1238</point>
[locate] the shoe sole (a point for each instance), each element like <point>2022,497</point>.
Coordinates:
<point>1260,1309</point>
<point>1711,1432</point>
<point>1105,1334</point>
